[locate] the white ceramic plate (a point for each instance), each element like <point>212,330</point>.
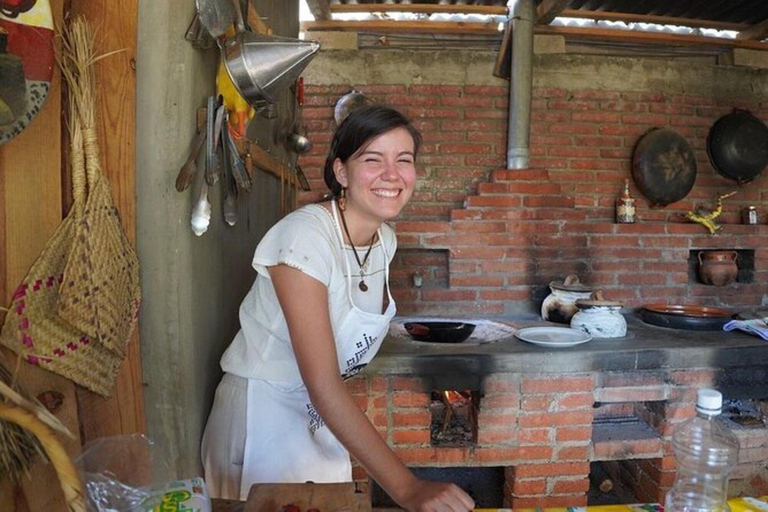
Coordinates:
<point>553,336</point>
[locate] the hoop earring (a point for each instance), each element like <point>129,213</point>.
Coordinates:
<point>343,199</point>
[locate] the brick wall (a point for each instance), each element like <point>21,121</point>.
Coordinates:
<point>487,241</point>
<point>541,429</point>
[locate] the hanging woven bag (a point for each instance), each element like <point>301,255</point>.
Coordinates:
<point>100,293</point>
<point>32,327</point>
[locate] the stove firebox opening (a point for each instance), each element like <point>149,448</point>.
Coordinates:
<point>454,418</point>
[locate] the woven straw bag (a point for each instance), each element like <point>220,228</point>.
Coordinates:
<point>33,330</point>
<point>74,312</point>
<point>100,293</point>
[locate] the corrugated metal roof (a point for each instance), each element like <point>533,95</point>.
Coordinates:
<point>731,11</point>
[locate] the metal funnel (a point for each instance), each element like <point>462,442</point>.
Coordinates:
<point>262,66</point>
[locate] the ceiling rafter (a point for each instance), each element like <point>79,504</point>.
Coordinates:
<point>393,26</point>
<point>629,17</point>
<point>548,10</point>
<point>571,33</point>
<point>321,9</point>
<point>489,10</point>
<point>755,32</point>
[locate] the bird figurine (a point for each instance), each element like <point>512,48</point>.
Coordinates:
<point>240,111</point>
<point>707,218</point>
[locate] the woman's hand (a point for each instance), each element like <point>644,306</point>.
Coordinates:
<point>426,496</point>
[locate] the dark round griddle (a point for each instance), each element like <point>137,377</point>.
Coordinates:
<point>663,166</point>
<point>737,146</point>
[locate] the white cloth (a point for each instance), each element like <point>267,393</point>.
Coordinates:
<point>758,327</point>
<point>281,438</point>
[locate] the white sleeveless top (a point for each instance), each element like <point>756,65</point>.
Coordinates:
<point>306,239</point>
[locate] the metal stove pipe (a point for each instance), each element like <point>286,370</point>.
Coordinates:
<point>521,17</point>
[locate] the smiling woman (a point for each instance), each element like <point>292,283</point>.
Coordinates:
<point>316,316</point>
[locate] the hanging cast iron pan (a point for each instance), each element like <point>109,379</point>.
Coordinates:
<point>737,146</point>
<point>663,166</point>
<point>694,318</point>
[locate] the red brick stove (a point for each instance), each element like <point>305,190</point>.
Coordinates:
<point>545,430</point>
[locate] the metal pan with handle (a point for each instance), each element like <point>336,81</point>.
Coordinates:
<point>737,146</point>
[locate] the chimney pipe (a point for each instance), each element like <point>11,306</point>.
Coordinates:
<point>521,17</point>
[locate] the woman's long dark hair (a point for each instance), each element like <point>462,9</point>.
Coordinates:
<point>360,126</point>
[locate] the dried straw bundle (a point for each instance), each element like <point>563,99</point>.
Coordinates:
<point>33,420</point>
<point>18,447</point>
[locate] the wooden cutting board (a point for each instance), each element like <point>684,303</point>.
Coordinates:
<point>323,497</point>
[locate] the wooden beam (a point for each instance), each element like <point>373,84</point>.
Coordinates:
<point>123,413</point>
<point>30,212</point>
<point>489,10</point>
<point>504,60</point>
<point>756,32</point>
<point>255,21</point>
<point>321,9</point>
<point>650,18</point>
<point>639,37</point>
<point>410,27</point>
<point>549,10</point>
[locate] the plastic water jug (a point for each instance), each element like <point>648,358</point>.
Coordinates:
<point>705,451</point>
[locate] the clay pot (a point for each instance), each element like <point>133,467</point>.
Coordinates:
<point>560,304</point>
<point>600,317</point>
<point>718,268</point>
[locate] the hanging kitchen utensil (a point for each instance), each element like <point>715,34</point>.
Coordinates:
<point>347,104</point>
<point>737,146</point>
<point>216,15</point>
<point>237,167</point>
<point>663,166</point>
<point>189,169</point>
<point>228,187</point>
<point>26,63</point>
<point>213,171</point>
<point>262,66</point>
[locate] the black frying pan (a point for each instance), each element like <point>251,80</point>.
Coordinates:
<point>737,146</point>
<point>439,332</point>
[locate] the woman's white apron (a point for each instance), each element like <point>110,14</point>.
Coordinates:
<point>281,412</point>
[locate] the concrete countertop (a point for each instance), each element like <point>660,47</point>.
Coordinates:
<point>646,347</point>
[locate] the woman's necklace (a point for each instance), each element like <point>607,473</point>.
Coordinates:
<point>363,287</point>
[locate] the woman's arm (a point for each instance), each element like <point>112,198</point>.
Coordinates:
<point>304,302</point>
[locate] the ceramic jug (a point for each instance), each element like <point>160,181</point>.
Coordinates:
<point>560,304</point>
<point>718,268</point>
<point>599,317</point>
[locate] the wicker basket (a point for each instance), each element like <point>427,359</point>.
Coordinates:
<point>69,479</point>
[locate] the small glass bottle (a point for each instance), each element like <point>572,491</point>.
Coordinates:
<point>750,215</point>
<point>625,206</point>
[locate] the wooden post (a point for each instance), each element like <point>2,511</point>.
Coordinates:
<point>123,413</point>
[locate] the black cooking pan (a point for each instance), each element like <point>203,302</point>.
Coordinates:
<point>694,318</point>
<point>440,332</point>
<point>737,146</point>
<point>663,166</point>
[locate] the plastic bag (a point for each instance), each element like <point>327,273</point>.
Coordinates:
<point>122,474</point>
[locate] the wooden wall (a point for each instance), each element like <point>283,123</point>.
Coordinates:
<point>33,193</point>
